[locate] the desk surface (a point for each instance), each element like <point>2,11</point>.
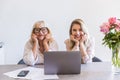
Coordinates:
<point>90,71</point>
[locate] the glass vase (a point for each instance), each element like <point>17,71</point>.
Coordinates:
<point>116,61</point>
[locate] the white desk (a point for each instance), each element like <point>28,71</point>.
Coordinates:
<point>90,71</point>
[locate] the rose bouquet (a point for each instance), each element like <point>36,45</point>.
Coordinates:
<point>111,30</point>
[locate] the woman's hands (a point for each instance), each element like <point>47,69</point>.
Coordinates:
<point>42,43</point>
<point>34,38</point>
<point>83,38</point>
<point>46,40</point>
<point>75,40</point>
<point>35,41</point>
<point>79,40</point>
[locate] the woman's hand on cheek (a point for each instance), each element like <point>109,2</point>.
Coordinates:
<point>47,38</point>
<point>73,39</point>
<point>45,42</point>
<point>34,38</point>
<point>83,38</point>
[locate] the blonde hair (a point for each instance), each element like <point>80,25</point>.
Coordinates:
<point>40,23</point>
<point>83,27</point>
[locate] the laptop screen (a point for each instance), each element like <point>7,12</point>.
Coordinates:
<point>62,62</point>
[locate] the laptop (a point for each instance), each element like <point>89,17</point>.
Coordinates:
<point>62,62</point>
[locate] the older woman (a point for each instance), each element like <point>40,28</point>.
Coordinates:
<point>80,41</point>
<point>41,40</point>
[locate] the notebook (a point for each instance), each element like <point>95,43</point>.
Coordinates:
<point>62,62</point>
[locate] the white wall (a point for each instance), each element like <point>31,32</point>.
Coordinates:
<point>18,16</point>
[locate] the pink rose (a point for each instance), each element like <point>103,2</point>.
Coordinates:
<point>117,28</point>
<point>117,23</point>
<point>112,20</point>
<point>105,28</point>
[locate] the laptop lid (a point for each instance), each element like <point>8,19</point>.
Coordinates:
<point>62,62</point>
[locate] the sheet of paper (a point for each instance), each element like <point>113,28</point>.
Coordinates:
<point>34,74</point>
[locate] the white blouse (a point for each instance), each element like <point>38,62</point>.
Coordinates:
<point>28,56</point>
<point>89,48</point>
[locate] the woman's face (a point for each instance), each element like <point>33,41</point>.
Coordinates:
<point>41,32</point>
<point>36,29</point>
<point>77,31</point>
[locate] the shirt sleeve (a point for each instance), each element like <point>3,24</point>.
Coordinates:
<point>28,56</point>
<point>90,51</point>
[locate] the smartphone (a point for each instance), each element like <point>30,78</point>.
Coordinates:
<point>23,73</point>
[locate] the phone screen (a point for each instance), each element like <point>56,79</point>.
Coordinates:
<point>23,73</point>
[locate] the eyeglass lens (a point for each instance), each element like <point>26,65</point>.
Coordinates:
<point>43,30</point>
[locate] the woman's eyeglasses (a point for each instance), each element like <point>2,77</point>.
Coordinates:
<point>43,30</point>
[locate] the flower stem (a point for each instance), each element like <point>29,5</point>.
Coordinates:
<point>116,57</point>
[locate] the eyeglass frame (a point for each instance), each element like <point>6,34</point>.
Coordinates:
<point>40,29</point>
